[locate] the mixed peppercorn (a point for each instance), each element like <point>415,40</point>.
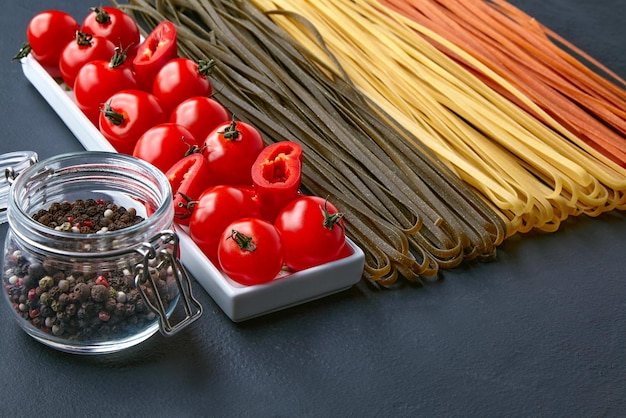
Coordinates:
<point>87,216</point>
<point>78,305</point>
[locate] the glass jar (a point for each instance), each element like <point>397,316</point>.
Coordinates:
<point>96,292</point>
<point>11,165</point>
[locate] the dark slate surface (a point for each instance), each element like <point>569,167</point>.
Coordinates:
<point>540,331</point>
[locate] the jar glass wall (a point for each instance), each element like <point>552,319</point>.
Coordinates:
<point>106,287</point>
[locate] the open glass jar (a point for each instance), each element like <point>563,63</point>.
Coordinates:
<point>94,292</point>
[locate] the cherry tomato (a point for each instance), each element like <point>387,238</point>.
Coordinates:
<point>98,80</point>
<point>114,25</point>
<point>216,208</point>
<point>159,47</point>
<point>231,149</point>
<point>312,231</point>
<point>188,177</point>
<point>47,33</point>
<point>84,49</point>
<point>126,115</point>
<point>200,114</point>
<point>250,251</point>
<point>164,144</point>
<point>180,79</point>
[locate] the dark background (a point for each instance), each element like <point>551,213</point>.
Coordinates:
<point>540,331</point>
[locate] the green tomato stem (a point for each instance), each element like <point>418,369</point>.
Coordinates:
<point>244,242</point>
<point>116,118</point>
<point>102,16</point>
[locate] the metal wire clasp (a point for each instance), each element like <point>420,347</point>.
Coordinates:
<point>161,258</point>
<point>29,158</point>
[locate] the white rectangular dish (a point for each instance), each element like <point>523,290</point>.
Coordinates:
<point>238,302</point>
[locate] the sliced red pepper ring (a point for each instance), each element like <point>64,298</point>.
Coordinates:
<point>188,178</point>
<point>154,52</point>
<point>276,176</point>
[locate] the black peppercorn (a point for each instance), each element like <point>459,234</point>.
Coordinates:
<point>99,293</point>
<point>109,305</point>
<point>36,271</point>
<point>82,292</point>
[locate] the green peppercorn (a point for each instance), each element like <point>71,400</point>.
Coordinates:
<point>45,298</point>
<point>46,283</point>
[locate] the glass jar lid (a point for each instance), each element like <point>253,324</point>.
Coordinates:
<point>11,165</point>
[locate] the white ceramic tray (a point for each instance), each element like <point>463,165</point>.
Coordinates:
<point>238,302</point>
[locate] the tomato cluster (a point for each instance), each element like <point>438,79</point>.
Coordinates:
<point>241,202</point>
<point>239,198</point>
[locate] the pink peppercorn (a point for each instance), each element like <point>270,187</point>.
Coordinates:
<point>102,281</point>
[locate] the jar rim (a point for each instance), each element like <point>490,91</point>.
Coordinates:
<point>20,220</point>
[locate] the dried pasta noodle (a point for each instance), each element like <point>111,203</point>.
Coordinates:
<point>403,206</point>
<point>535,172</point>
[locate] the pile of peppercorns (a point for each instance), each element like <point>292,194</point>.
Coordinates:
<point>81,306</point>
<point>88,216</point>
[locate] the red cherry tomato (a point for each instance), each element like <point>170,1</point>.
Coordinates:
<point>250,251</point>
<point>47,33</point>
<point>180,79</point>
<point>216,208</point>
<point>188,177</point>
<point>312,231</point>
<point>114,25</point>
<point>98,80</point>
<point>126,115</point>
<point>164,144</point>
<point>83,49</point>
<point>200,114</point>
<point>159,47</point>
<point>231,149</point>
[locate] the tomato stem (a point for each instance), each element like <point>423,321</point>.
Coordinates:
<point>83,39</point>
<point>243,241</point>
<point>119,57</point>
<point>102,16</point>
<point>116,118</point>
<point>232,133</point>
<point>188,204</point>
<point>330,219</point>
<point>23,52</point>
<point>205,67</point>
<point>191,148</point>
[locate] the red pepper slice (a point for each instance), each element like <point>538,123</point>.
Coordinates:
<point>276,176</point>
<point>189,177</point>
<point>154,52</point>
